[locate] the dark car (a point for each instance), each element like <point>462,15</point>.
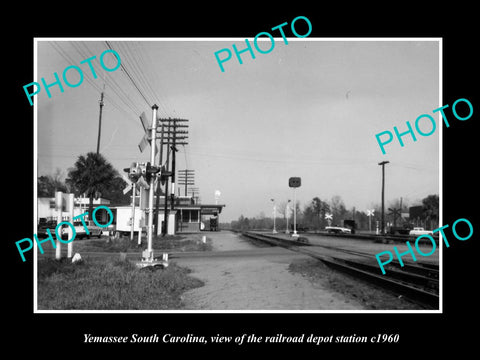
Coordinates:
<point>50,224</point>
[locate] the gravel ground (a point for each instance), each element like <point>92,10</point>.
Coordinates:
<point>368,295</point>
<point>280,280</point>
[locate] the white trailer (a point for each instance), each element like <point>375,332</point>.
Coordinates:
<point>123,220</point>
<point>123,215</point>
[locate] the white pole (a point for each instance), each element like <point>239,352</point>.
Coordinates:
<point>140,220</point>
<point>70,231</point>
<point>274,216</point>
<point>286,215</point>
<point>58,205</point>
<point>152,183</point>
<point>294,213</point>
<point>133,212</point>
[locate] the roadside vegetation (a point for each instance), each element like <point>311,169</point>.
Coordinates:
<point>110,284</point>
<point>105,282</point>
<point>191,242</point>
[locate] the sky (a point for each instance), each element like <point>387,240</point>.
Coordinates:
<point>309,109</point>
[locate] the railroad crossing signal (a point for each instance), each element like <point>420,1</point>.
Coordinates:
<point>328,217</point>
<point>133,172</point>
<point>370,213</point>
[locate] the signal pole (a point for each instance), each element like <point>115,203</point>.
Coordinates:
<point>383,195</point>
<point>148,254</point>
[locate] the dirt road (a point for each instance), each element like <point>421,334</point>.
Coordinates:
<point>246,282</point>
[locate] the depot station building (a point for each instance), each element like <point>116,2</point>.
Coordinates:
<point>187,214</point>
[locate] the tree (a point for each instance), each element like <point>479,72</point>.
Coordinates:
<point>115,192</point>
<point>430,208</point>
<point>48,184</point>
<point>91,175</point>
<point>320,208</point>
<point>338,209</point>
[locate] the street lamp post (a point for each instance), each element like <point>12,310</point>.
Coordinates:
<point>286,215</point>
<point>274,211</point>
<point>294,213</point>
<point>383,195</point>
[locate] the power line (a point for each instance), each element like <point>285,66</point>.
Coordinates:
<point>164,104</point>
<point>63,53</point>
<point>130,77</point>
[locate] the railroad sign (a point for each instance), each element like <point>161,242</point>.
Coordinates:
<point>144,120</point>
<point>328,217</point>
<point>127,189</point>
<point>294,182</point>
<point>143,143</point>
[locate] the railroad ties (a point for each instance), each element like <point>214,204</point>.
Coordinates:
<point>417,282</point>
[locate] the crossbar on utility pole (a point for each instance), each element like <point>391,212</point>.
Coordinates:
<point>383,195</point>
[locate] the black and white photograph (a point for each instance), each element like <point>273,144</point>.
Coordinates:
<point>230,140</point>
<point>299,180</point>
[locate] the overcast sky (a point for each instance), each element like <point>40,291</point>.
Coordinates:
<point>309,109</point>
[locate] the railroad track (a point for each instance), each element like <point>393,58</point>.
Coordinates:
<point>418,283</point>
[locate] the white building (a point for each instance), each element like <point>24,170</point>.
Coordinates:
<point>46,207</point>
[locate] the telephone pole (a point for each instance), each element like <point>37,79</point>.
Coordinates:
<point>383,195</point>
<point>171,137</point>
<point>185,177</point>
<point>100,123</point>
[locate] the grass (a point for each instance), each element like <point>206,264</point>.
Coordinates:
<point>107,284</point>
<point>190,242</point>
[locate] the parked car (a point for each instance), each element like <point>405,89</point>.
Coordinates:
<point>51,224</point>
<point>338,230</point>
<point>416,231</point>
<point>93,229</point>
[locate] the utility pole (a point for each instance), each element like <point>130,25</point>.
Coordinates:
<point>165,195</point>
<point>158,190</point>
<point>383,195</point>
<point>185,177</point>
<point>174,152</point>
<point>171,139</point>
<point>100,123</point>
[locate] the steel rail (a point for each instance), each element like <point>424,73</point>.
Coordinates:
<point>405,288</point>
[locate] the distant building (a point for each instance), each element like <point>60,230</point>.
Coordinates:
<point>187,214</point>
<point>46,207</point>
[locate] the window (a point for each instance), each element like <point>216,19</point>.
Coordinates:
<point>194,216</point>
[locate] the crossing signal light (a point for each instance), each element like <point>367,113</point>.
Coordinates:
<point>133,172</point>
